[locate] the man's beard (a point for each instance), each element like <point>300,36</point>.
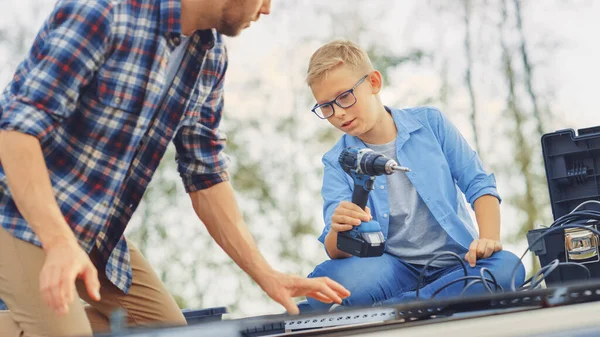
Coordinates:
<point>231,18</point>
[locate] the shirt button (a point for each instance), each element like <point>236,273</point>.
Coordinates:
<point>176,40</point>
<point>382,187</point>
<point>117,100</point>
<point>105,204</point>
<point>385,215</point>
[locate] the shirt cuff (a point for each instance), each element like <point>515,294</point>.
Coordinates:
<point>484,187</point>
<point>196,182</point>
<point>323,235</point>
<point>322,240</point>
<point>21,116</point>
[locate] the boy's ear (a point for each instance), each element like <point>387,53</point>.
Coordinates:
<point>376,81</point>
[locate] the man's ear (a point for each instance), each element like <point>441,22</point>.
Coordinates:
<point>376,81</point>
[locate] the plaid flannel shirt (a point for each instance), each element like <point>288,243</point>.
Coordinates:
<point>89,90</point>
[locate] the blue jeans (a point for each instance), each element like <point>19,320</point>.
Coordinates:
<point>387,280</point>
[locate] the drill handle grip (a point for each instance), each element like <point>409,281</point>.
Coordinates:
<point>360,196</point>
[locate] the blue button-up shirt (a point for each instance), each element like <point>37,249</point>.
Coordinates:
<point>90,91</point>
<point>443,168</point>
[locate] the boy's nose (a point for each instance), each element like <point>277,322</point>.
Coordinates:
<point>339,112</point>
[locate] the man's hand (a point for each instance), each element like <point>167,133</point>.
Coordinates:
<point>347,215</point>
<point>282,288</point>
<point>65,262</point>
<point>482,249</point>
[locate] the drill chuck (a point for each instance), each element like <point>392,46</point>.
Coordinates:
<point>367,162</point>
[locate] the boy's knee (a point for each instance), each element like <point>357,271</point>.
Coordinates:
<point>503,264</point>
<point>348,272</point>
<point>332,269</point>
<point>507,258</point>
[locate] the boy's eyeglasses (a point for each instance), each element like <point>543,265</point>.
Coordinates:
<point>344,100</point>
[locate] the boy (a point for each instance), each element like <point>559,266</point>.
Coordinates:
<point>422,212</point>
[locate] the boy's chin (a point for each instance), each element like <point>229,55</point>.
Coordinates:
<point>353,133</point>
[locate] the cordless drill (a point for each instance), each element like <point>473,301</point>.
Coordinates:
<point>363,165</point>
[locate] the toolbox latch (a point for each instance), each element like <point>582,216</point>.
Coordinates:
<point>581,244</point>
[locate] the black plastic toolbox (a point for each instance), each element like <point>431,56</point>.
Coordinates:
<point>572,163</point>
<point>204,315</point>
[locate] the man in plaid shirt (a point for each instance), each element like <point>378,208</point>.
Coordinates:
<point>83,126</point>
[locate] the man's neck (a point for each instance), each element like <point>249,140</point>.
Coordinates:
<point>199,15</point>
<point>384,130</point>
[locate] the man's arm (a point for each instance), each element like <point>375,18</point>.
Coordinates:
<point>203,168</point>
<point>217,208</point>
<point>27,176</point>
<point>66,54</point>
<point>29,183</point>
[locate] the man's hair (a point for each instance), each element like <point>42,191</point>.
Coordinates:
<point>336,53</point>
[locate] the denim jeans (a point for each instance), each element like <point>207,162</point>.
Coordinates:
<point>387,280</point>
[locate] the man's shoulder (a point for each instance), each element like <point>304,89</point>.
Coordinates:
<point>66,8</point>
<point>89,17</point>
<point>124,14</point>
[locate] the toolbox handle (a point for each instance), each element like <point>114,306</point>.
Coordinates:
<point>589,131</point>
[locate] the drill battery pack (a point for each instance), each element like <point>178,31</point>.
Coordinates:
<point>354,244</point>
<point>572,164</point>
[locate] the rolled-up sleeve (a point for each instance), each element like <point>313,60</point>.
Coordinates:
<point>24,116</point>
<point>65,55</point>
<point>465,165</point>
<point>200,158</point>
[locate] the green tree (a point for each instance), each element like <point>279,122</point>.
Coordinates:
<point>526,146</point>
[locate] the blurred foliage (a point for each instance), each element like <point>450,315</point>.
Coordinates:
<point>384,60</point>
<point>276,169</point>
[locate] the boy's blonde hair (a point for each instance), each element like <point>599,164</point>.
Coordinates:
<point>336,53</point>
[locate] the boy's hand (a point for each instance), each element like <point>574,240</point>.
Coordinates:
<point>347,215</point>
<point>482,249</point>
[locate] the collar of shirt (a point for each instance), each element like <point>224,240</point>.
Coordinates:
<point>405,123</point>
<point>170,26</point>
<point>170,17</point>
